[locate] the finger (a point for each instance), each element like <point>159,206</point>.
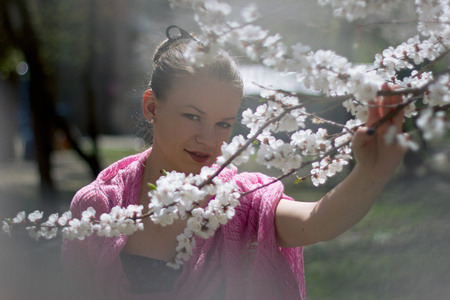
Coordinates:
<point>386,102</point>
<point>376,110</point>
<point>398,119</point>
<point>388,105</point>
<point>373,113</point>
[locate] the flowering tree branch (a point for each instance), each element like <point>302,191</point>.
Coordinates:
<point>338,81</point>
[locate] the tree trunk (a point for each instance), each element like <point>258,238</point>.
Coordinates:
<point>41,102</point>
<point>42,96</point>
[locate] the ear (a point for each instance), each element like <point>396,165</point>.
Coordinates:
<point>149,105</point>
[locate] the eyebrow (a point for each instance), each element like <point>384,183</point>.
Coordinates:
<point>202,112</point>
<point>196,108</point>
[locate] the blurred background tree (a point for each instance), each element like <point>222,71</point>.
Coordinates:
<point>67,63</point>
<point>32,41</point>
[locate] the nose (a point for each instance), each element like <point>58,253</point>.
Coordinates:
<point>207,136</point>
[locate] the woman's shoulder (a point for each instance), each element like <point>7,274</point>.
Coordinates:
<point>103,193</point>
<point>129,164</point>
<point>261,192</point>
<point>88,196</point>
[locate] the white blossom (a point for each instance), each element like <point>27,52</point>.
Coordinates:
<point>73,230</point>
<point>274,52</point>
<point>128,226</point>
<point>276,153</point>
<point>201,55</point>
<point>250,13</point>
<point>6,228</point>
<point>364,85</point>
<point>19,218</point>
<point>406,143</point>
<point>393,138</point>
<point>433,16</point>
<point>35,216</point>
<point>65,217</point>
<point>195,219</point>
<point>357,109</point>
<point>299,59</point>
<point>390,136</point>
<point>311,143</point>
<point>337,164</point>
<point>252,33</point>
<point>328,167</point>
<point>217,8</point>
<point>88,214</point>
<point>52,219</point>
<point>439,91</point>
<point>48,232</point>
<point>228,150</point>
<point>318,174</point>
<point>33,232</point>
<point>255,120</point>
<point>358,9</point>
<point>208,225</point>
<point>432,125</point>
<point>185,246</point>
<point>176,265</point>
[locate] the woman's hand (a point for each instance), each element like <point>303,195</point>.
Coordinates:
<point>375,157</point>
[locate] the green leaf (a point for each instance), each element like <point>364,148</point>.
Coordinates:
<point>298,180</point>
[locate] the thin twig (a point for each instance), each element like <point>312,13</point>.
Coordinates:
<point>292,171</point>
<point>422,70</point>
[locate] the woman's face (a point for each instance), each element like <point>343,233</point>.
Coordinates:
<point>192,122</point>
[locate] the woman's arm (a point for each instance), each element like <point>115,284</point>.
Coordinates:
<point>304,223</point>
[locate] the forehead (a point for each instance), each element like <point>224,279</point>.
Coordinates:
<point>206,93</point>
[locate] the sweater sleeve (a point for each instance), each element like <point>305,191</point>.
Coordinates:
<point>272,272</point>
<point>79,256</point>
<point>93,263</point>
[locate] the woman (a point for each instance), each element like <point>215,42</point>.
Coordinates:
<point>257,254</point>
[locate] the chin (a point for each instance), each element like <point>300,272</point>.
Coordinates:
<point>192,170</point>
<point>196,170</point>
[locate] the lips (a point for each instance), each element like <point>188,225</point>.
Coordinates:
<point>199,157</point>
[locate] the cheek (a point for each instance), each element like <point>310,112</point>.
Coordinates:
<point>179,127</point>
<point>223,136</point>
<point>184,132</point>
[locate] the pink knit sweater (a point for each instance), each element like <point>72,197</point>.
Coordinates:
<point>243,254</point>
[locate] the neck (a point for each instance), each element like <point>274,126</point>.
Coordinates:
<point>153,168</point>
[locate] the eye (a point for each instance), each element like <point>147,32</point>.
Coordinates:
<point>224,125</point>
<point>192,117</point>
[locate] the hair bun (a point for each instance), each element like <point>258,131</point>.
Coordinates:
<point>183,36</point>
